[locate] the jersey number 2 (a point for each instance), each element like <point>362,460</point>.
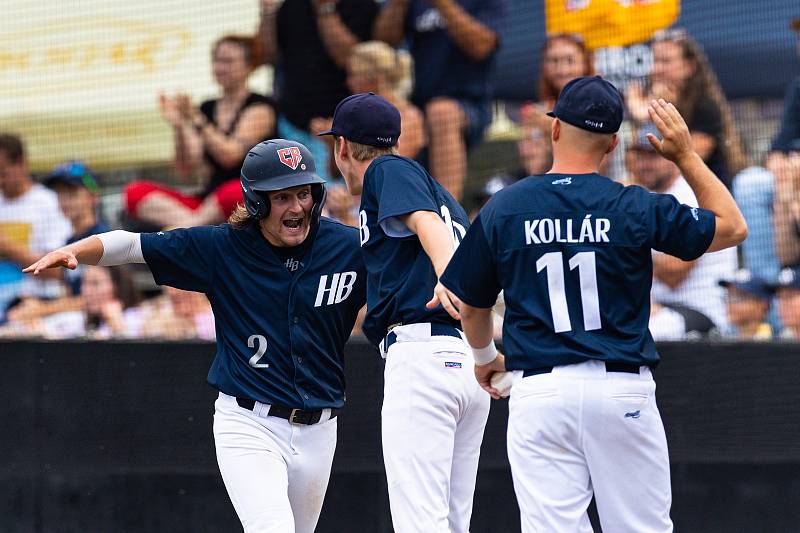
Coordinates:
<point>587,271</point>
<point>262,349</point>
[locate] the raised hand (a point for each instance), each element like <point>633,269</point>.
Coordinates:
<point>676,142</point>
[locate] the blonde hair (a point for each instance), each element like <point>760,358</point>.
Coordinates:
<point>365,152</point>
<point>395,65</point>
<point>240,218</point>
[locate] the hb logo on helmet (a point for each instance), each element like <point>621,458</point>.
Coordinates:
<point>291,157</point>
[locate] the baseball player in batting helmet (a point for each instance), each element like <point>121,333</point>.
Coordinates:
<point>283,315</point>
<point>571,250</point>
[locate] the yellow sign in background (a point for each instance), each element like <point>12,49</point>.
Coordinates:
<point>607,23</point>
<point>80,79</point>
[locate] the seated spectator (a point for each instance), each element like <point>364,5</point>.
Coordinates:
<point>76,187</point>
<point>211,140</point>
<point>454,44</point>
<point>376,67</point>
<point>787,140</point>
<point>787,291</point>
<point>747,299</point>
<point>108,310</point>
<point>179,315</point>
<point>787,211</point>
<point>309,43</point>
<point>692,284</point>
<point>30,224</point>
<point>563,57</point>
<point>680,65</point>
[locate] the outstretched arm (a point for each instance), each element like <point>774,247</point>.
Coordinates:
<point>474,38</point>
<point>106,249</point>
<point>711,193</point>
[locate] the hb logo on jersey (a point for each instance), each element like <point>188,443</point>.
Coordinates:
<point>290,157</point>
<point>340,288</point>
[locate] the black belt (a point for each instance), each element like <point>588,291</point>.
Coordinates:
<point>437,330</point>
<point>611,366</point>
<point>294,416</point>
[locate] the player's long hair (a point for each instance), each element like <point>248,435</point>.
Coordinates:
<point>240,218</point>
<point>702,83</point>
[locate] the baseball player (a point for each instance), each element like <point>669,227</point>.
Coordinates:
<point>571,250</point>
<point>285,287</point>
<point>433,413</point>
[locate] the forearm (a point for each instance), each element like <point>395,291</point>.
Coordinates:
<point>787,241</point>
<point>470,35</point>
<point>268,33</point>
<point>337,39</point>
<point>713,196</point>
<point>671,270</point>
<point>435,237</point>
<point>226,149</point>
<point>185,157</point>
<point>478,325</point>
<point>23,257</point>
<point>389,26</point>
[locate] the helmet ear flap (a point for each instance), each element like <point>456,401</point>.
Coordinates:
<point>257,204</point>
<point>318,194</point>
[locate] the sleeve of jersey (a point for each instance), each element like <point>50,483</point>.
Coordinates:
<point>471,274</point>
<point>402,189</point>
<point>678,229</point>
<point>181,258</point>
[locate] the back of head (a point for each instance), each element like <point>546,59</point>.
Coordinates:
<point>11,146</point>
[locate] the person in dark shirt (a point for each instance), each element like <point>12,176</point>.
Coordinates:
<point>76,187</point>
<point>212,139</point>
<point>454,44</point>
<point>309,43</point>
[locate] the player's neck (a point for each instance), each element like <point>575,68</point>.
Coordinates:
<point>574,168</point>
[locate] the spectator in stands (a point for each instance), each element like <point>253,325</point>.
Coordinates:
<point>376,67</point>
<point>178,315</point>
<point>453,43</point>
<point>680,65</point>
<point>787,290</point>
<point>30,224</point>
<point>563,57</point>
<point>787,139</point>
<point>309,42</point>
<point>692,284</point>
<point>747,300</point>
<point>108,310</point>
<point>211,140</point>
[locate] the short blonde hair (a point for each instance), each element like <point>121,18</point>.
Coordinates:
<point>395,65</point>
<point>365,152</point>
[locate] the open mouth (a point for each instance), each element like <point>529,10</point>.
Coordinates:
<point>293,223</point>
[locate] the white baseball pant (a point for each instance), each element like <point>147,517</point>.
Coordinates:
<point>578,430</point>
<point>276,473</point>
<point>433,418</point>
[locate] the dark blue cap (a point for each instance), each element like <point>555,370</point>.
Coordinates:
<point>366,118</point>
<point>590,103</point>
<point>74,173</point>
<point>745,281</point>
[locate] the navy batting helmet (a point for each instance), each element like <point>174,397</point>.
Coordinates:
<point>279,164</point>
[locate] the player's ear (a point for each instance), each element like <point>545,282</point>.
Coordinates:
<point>555,130</point>
<point>613,144</point>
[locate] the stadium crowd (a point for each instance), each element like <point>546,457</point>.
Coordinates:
<point>435,62</point>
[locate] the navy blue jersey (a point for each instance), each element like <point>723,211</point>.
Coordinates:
<point>280,334</point>
<point>401,277</point>
<point>572,254</point>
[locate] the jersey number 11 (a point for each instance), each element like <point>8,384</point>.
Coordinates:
<point>587,271</point>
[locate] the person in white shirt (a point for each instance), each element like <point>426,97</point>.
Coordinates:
<point>693,284</point>
<point>31,223</point>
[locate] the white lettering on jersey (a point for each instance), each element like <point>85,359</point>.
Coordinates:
<point>547,230</point>
<point>340,288</point>
<point>457,230</point>
<point>363,230</point>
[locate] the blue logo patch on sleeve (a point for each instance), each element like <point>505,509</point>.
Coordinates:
<point>452,364</point>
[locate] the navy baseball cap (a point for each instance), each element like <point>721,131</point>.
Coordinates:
<point>74,173</point>
<point>745,281</point>
<point>366,118</point>
<point>640,140</point>
<point>590,103</point>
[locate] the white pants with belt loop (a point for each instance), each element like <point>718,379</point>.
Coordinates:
<point>433,417</point>
<point>276,473</point>
<point>579,430</point>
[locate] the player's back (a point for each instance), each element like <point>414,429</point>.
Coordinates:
<point>573,256</point>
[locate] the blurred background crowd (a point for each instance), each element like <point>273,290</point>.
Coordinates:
<point>281,72</point>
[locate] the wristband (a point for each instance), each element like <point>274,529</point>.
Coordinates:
<point>485,355</point>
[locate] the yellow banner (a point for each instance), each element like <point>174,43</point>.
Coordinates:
<point>607,23</point>
<point>80,79</point>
